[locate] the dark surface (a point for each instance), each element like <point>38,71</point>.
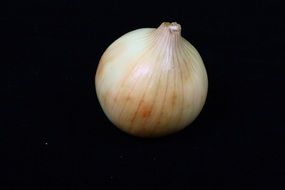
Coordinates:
<point>54,135</point>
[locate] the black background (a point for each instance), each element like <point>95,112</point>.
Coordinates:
<point>54,134</point>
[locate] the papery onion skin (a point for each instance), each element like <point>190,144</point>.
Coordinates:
<point>151,82</point>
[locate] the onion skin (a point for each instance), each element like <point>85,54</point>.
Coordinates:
<point>151,82</point>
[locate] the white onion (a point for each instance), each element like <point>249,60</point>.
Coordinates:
<point>151,82</point>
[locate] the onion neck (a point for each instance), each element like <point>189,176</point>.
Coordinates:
<point>174,28</point>
<point>168,30</point>
<point>167,34</point>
